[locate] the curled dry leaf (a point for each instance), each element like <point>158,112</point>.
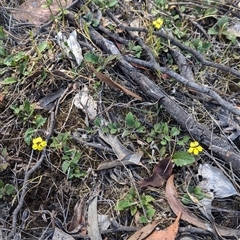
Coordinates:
<point>145,231</point>
<point>169,233</point>
<point>161,173</point>
<point>176,206</point>
<point>77,219</point>
<point>47,102</point>
<point>124,156</point>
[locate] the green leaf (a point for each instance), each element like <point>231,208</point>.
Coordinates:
<point>133,210</point>
<point>39,121</point>
<point>174,131</point>
<point>65,166</point>
<point>198,193</point>
<point>28,136</point>
<point>165,129</point>
<point>97,121</point>
<point>149,199</point>
<point>210,12</point>
<point>22,67</point>
<point>9,80</point>
<point>10,189</point>
<point>3,52</point>
<point>183,141</point>
<point>222,22</point>
<point>163,142</point>
<point>142,129</point>
<point>123,205</point>
<point>182,158</point>
<point>113,131</point>
<point>130,120</point>
<point>143,219</point>
<point>92,58</point>
<point>186,200</point>
<point>43,46</point>
<point>150,212</point>
<point>212,31</point>
<point>149,139</point>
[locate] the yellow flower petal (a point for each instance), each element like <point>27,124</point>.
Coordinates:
<point>43,143</point>
<point>37,140</point>
<point>194,144</point>
<point>190,150</point>
<point>195,151</point>
<point>38,144</point>
<point>34,146</point>
<point>199,148</point>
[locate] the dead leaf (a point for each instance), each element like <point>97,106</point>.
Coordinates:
<point>161,173</point>
<point>133,158</point>
<point>35,12</point>
<point>84,101</point>
<point>145,231</point>
<point>47,102</point>
<point>124,156</point>
<point>169,233</point>
<point>113,84</point>
<point>138,66</point>
<point>176,206</point>
<point>93,228</point>
<point>77,219</point>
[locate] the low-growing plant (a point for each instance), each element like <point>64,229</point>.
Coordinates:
<point>220,29</point>
<point>193,192</point>
<point>70,165</point>
<point>6,189</point>
<point>70,156</point>
<point>60,140</point>
<point>24,111</point>
<point>135,49</point>
<point>132,203</point>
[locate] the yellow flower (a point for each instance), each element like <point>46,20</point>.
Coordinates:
<point>158,23</point>
<point>39,144</point>
<point>195,148</point>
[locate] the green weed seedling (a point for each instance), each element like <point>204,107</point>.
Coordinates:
<point>132,125</point>
<point>6,190</point>
<point>200,45</point>
<point>220,29</point>
<point>100,61</point>
<point>70,166</point>
<point>60,140</point>
<point>163,132</point>
<point>132,203</point>
<point>196,192</point>
<point>24,111</point>
<point>136,49</point>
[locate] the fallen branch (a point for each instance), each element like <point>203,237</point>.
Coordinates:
<point>153,91</point>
